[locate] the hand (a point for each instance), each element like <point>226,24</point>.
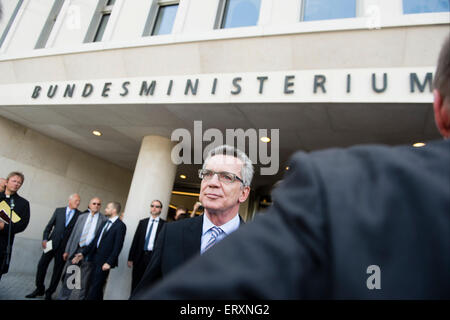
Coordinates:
<point>2,225</point>
<point>65,256</point>
<point>106,267</point>
<point>78,257</point>
<point>44,244</point>
<point>130,264</point>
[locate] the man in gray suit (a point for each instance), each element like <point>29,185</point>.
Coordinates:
<point>366,222</point>
<point>83,233</point>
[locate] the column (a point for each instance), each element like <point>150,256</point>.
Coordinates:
<point>153,178</point>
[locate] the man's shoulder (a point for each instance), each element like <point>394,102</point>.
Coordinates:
<point>175,226</point>
<point>375,157</point>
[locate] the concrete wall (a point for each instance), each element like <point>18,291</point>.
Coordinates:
<point>53,171</point>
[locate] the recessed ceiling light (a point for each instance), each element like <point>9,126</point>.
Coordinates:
<point>182,176</point>
<point>96,133</point>
<point>265,139</point>
<point>418,144</point>
<point>287,168</point>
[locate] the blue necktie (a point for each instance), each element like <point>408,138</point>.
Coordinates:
<point>215,232</point>
<point>68,216</point>
<point>147,238</point>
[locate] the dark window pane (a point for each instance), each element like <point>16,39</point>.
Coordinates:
<point>110,2</point>
<point>101,28</point>
<point>423,6</point>
<point>328,9</point>
<point>165,19</point>
<point>241,13</point>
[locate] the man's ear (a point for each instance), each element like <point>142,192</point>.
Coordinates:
<point>441,114</point>
<point>244,194</point>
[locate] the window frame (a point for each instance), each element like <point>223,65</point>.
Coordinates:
<point>101,10</point>
<point>152,17</point>
<point>49,24</point>
<point>10,22</point>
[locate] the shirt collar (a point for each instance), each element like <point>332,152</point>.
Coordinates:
<point>68,210</point>
<point>156,219</point>
<point>228,227</point>
<point>113,219</point>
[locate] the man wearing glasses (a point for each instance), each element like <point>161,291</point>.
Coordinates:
<point>83,233</point>
<point>144,239</point>
<point>226,177</point>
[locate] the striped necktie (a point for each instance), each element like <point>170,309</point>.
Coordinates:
<point>215,232</point>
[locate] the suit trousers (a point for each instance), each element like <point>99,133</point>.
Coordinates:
<point>139,269</point>
<point>76,294</point>
<point>97,281</point>
<point>58,267</point>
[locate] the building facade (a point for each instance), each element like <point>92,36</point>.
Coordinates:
<point>154,77</point>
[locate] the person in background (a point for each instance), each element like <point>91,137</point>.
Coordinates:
<point>56,233</point>
<point>103,251</point>
<point>181,213</point>
<point>141,249</point>
<point>84,231</point>
<point>14,217</point>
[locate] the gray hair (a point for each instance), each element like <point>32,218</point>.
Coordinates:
<point>247,166</point>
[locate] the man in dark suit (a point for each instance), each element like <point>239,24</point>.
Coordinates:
<point>367,222</point>
<point>104,251</point>
<point>226,177</point>
<point>143,242</point>
<point>56,233</point>
<point>12,208</point>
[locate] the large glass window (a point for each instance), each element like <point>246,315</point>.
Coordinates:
<point>240,13</point>
<point>424,6</point>
<point>328,9</point>
<point>165,19</point>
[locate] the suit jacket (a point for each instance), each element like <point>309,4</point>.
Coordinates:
<point>74,239</point>
<point>22,209</point>
<point>137,246</point>
<point>56,229</point>
<point>110,245</point>
<point>178,242</point>
<point>337,216</point>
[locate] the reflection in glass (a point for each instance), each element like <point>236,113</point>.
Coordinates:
<point>328,9</point>
<point>241,13</point>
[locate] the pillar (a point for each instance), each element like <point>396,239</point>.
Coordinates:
<point>153,178</point>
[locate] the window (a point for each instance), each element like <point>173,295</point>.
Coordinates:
<point>237,13</point>
<point>99,21</point>
<point>328,9</point>
<point>161,18</point>
<point>165,19</point>
<point>423,6</point>
<point>48,26</point>
<point>10,22</point>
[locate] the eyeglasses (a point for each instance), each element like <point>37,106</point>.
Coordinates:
<point>96,204</point>
<point>225,177</point>
<point>155,206</point>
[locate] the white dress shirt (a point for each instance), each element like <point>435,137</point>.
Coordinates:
<point>227,229</point>
<point>151,242</point>
<point>91,222</point>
